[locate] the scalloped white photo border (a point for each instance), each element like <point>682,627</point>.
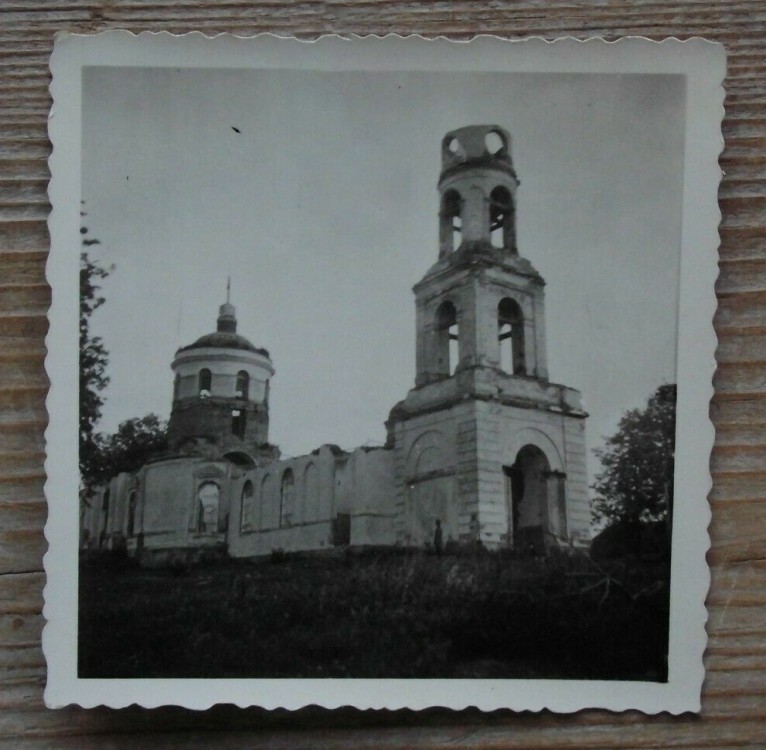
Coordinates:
<point>700,61</point>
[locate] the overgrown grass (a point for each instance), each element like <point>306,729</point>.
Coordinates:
<point>377,615</point>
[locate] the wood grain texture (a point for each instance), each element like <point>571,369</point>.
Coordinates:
<point>734,695</point>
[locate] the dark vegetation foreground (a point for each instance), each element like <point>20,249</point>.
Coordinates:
<point>377,615</point>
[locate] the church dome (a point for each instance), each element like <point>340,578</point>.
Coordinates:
<point>225,336</point>
<point>224,340</point>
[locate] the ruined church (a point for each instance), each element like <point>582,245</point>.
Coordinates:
<point>484,443</point>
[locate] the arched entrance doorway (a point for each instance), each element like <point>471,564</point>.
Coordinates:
<point>526,492</point>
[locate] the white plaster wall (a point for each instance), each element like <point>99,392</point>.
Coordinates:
<point>169,500</point>
<point>313,505</point>
<point>168,488</point>
<point>343,491</point>
<point>119,488</point>
<point>311,509</point>
<point>426,465</point>
<point>373,505</point>
<point>428,501</point>
<point>578,493</point>
<point>360,484</point>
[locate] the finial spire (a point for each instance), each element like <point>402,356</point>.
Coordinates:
<point>227,313</point>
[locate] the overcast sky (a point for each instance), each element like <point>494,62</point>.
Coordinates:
<point>323,209</point>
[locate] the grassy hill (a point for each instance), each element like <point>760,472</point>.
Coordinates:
<point>377,614</point>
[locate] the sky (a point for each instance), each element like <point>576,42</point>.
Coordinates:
<point>316,192</point>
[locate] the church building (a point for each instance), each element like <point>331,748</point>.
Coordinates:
<point>484,445</point>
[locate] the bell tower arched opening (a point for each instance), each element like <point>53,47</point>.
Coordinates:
<point>450,222</point>
<point>448,338</point>
<point>510,336</point>
<point>501,219</point>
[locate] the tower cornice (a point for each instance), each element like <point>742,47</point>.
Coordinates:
<point>479,163</point>
<point>478,261</point>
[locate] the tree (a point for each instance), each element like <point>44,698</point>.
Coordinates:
<point>128,449</point>
<point>636,483</point>
<point>93,355</point>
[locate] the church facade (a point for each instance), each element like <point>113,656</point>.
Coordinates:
<point>484,445</point>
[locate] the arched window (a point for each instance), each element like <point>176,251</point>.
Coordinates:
<point>450,222</point>
<point>448,338</point>
<point>208,497</point>
<point>528,503</point>
<point>501,220</point>
<point>510,336</point>
<point>205,382</point>
<point>287,498</point>
<point>131,513</point>
<point>238,423</point>
<point>247,507</point>
<point>176,387</point>
<point>243,385</point>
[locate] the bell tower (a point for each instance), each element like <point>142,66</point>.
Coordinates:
<point>486,444</point>
<point>480,295</point>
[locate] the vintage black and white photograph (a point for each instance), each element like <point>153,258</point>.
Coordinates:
<point>379,365</point>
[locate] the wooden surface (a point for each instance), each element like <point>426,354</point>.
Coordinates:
<point>734,698</point>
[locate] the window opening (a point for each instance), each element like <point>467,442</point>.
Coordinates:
<point>205,382</point>
<point>243,385</point>
<point>510,334</point>
<point>501,218</point>
<point>448,332</point>
<point>208,497</point>
<point>451,222</point>
<point>238,423</point>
